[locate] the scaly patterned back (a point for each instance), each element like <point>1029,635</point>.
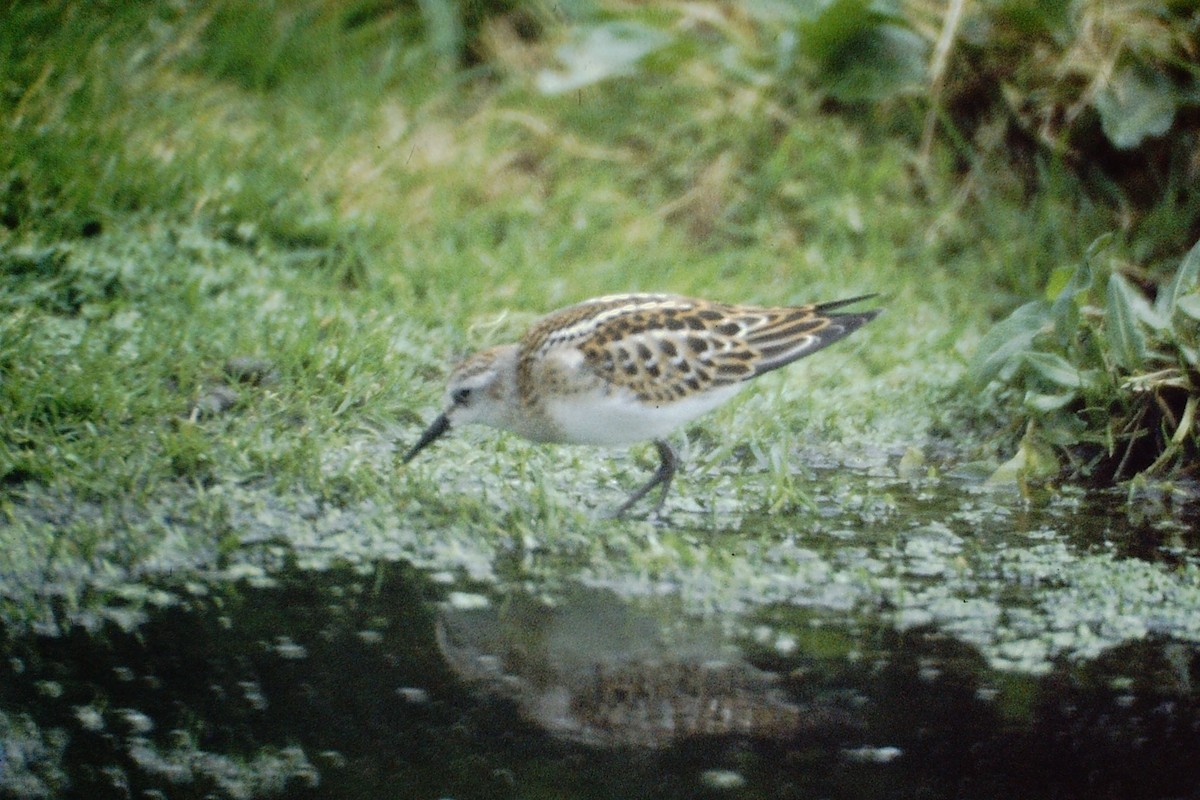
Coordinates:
<point>663,348</point>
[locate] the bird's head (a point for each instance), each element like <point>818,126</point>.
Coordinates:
<point>477,391</point>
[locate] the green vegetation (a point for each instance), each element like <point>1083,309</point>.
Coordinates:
<point>239,243</point>
<point>1099,374</point>
<point>1098,380</point>
<point>1090,106</point>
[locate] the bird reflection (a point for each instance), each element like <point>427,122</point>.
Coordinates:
<point>591,670</point>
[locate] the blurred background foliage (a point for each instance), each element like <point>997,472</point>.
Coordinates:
<point>1090,103</point>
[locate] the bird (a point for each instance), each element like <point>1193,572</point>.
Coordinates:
<point>623,369</point>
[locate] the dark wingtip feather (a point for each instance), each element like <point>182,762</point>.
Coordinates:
<point>835,304</point>
<point>840,326</point>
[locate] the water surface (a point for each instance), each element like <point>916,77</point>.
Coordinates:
<point>893,640</point>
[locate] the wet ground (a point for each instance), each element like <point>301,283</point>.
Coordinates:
<point>967,648</point>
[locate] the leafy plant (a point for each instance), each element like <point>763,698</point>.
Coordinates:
<point>865,50</point>
<point>1101,375</point>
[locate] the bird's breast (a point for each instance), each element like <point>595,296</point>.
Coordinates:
<point>613,417</point>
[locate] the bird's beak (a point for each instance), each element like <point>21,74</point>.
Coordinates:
<point>436,429</point>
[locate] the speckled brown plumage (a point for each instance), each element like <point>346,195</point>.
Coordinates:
<point>663,348</point>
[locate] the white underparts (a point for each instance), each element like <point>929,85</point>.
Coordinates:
<point>618,418</point>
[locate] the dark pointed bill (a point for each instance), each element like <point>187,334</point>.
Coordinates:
<point>436,429</point>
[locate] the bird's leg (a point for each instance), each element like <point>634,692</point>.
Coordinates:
<point>663,475</point>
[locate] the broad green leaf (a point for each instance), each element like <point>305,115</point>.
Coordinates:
<point>1145,312</point>
<point>1125,338</point>
<point>1063,430</point>
<point>1065,310</point>
<point>864,49</point>
<point>1060,278</point>
<point>1189,304</point>
<point>1137,102</point>
<point>1097,245</point>
<point>599,52</point>
<point>1181,283</point>
<point>1059,371</point>
<point>1034,459</point>
<point>1006,343</point>
<point>1047,403</point>
<point>828,25</point>
<point>879,63</point>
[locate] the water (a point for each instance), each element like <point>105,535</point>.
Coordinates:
<point>912,645</point>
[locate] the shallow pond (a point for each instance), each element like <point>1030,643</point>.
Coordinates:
<point>906,640</point>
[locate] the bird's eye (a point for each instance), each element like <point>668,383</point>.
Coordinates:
<point>460,396</point>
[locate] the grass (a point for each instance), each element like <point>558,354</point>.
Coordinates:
<point>319,187</point>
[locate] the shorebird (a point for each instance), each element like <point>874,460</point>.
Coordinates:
<point>623,369</point>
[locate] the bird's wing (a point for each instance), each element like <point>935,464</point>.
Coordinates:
<point>664,348</point>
